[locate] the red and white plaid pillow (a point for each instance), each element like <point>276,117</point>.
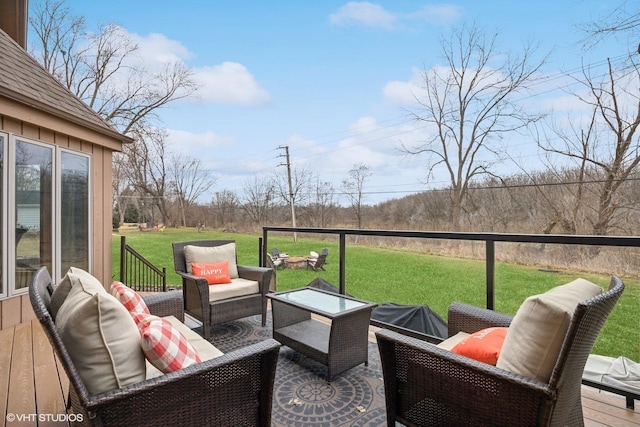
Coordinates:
<point>130,299</point>
<point>165,346</point>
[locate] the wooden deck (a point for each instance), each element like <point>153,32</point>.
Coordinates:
<point>33,385</point>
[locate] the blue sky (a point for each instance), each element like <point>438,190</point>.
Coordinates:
<point>330,79</point>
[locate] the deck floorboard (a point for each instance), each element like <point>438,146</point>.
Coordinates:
<point>32,381</point>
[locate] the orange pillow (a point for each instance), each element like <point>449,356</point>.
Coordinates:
<point>483,346</point>
<point>215,274</point>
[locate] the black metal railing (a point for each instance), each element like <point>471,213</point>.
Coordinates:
<point>138,273</point>
<point>489,239</point>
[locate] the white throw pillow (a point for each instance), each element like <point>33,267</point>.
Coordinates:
<point>101,338</point>
<point>210,255</point>
<point>74,275</point>
<point>536,334</point>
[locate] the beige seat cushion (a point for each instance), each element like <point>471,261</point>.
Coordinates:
<point>210,255</point>
<point>535,336</point>
<point>101,338</point>
<point>205,349</point>
<point>237,288</point>
<point>74,275</point>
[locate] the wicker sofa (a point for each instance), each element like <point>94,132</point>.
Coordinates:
<point>429,385</point>
<point>233,389</point>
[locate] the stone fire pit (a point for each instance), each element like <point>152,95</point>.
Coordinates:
<point>296,262</point>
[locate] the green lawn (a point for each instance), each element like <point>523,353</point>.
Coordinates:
<point>384,275</point>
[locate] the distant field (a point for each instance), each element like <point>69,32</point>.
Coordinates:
<point>383,275</point>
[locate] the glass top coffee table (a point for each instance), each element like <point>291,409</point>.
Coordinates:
<point>340,343</point>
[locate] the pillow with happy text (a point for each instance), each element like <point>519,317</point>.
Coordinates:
<point>215,273</point>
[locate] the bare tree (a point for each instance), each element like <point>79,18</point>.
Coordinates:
<point>258,197</point>
<point>102,68</point>
<point>322,205</point>
<point>121,187</point>
<point>623,19</point>
<point>354,189</point>
<point>225,204</point>
<point>148,168</point>
<point>470,105</point>
<point>300,180</point>
<point>189,181</point>
<point>609,143</point>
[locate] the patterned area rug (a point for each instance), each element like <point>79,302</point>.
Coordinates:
<point>302,396</point>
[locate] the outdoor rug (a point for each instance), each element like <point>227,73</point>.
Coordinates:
<point>302,396</point>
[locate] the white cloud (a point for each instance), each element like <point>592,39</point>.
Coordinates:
<point>403,93</point>
<point>195,144</point>
<point>364,13</point>
<point>229,83</point>
<point>440,14</point>
<point>156,48</point>
<point>364,125</point>
<point>375,16</point>
<point>226,83</point>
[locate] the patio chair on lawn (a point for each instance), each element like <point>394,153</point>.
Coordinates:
<point>275,262</point>
<point>242,295</point>
<point>317,263</point>
<point>538,373</point>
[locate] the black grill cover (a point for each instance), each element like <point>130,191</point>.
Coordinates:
<point>418,318</point>
<point>324,285</point>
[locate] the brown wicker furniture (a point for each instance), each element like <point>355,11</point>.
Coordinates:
<point>233,389</point>
<point>340,345</point>
<point>195,291</point>
<point>426,385</point>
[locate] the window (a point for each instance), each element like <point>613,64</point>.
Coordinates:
<point>48,210</point>
<point>74,211</point>
<point>33,210</point>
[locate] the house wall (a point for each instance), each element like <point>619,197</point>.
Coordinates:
<point>37,125</point>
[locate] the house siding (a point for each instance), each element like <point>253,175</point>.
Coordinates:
<point>17,309</point>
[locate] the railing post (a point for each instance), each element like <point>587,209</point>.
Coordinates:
<point>342,261</point>
<point>123,263</point>
<point>491,272</point>
<point>261,262</point>
<point>265,250</point>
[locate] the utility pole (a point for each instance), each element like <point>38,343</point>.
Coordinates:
<point>291,201</point>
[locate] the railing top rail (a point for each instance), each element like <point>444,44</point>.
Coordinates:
<point>591,240</point>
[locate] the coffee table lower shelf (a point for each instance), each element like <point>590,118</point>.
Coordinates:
<point>309,337</point>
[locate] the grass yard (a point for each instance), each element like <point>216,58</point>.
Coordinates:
<point>384,275</point>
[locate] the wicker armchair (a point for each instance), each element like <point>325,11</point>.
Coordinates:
<point>195,291</point>
<point>233,389</point>
<point>426,385</point>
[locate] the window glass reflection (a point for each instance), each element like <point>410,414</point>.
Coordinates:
<point>74,218</point>
<point>33,210</point>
